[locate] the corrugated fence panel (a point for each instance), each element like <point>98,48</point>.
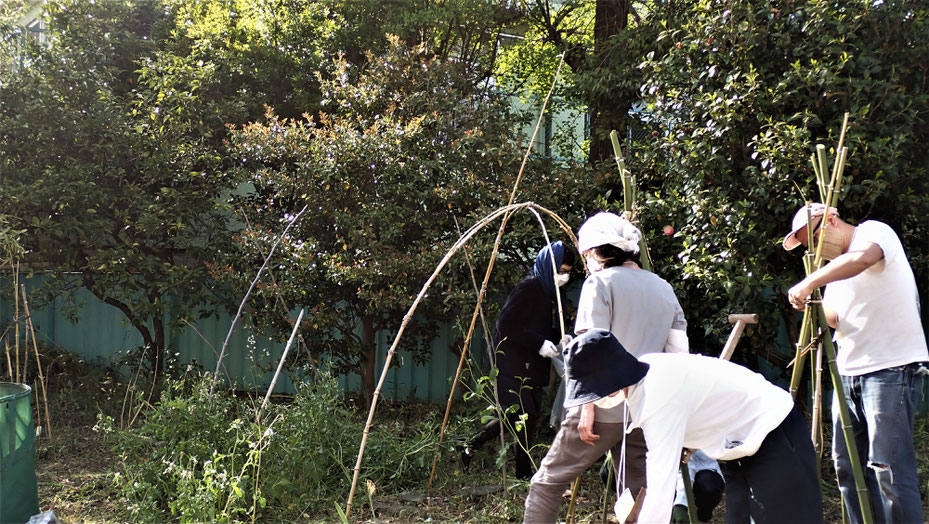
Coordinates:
<point>102,333</point>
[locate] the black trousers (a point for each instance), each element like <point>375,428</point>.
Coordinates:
<point>526,399</point>
<point>778,484</point>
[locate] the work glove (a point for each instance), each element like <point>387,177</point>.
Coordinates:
<point>565,340</point>
<point>549,349</point>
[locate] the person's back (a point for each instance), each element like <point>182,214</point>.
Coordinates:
<point>692,401</point>
<point>637,306</point>
<point>524,323</point>
<point>705,395</point>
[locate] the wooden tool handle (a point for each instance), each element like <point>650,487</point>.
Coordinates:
<point>748,318</point>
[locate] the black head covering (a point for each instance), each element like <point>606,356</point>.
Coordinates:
<point>597,365</point>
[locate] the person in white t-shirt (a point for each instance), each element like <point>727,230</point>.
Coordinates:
<point>872,302</point>
<point>729,412</point>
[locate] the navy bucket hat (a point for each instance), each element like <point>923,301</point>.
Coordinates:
<point>597,365</point>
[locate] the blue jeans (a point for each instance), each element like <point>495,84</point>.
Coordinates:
<point>882,406</point>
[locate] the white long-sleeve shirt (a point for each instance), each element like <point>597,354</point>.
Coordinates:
<point>698,402</point>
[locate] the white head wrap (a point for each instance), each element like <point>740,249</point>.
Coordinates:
<point>607,228</point>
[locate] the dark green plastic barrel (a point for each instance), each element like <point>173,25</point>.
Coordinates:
<point>19,496</point>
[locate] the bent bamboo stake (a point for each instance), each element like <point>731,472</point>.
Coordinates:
<point>406,320</point>
<point>480,300</point>
<point>490,264</point>
<point>500,417</point>
<point>222,352</point>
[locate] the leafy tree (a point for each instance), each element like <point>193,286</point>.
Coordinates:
<point>112,178</point>
<point>745,90</point>
<point>603,42</point>
<point>13,39</point>
<point>271,52</point>
<point>409,148</point>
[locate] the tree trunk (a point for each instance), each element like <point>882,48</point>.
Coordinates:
<point>606,112</point>
<point>158,349</point>
<point>369,345</point>
<point>152,340</point>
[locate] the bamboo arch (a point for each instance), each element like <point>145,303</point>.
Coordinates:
<point>504,212</point>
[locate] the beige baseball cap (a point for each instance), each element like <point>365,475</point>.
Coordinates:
<point>816,210</point>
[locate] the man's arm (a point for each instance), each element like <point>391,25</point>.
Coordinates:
<point>664,438</point>
<point>844,266</point>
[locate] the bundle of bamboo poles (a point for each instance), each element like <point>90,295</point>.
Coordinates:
<point>815,336</point>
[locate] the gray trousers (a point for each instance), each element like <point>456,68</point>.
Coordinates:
<point>569,456</point>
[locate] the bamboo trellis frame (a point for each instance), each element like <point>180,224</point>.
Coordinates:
<point>506,212</point>
<point>503,212</point>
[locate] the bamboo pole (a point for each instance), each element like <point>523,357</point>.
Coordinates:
<point>409,314</point>
<point>628,212</point>
<point>9,364</point>
<point>467,341</point>
<point>844,417</point>
<point>830,190</point>
<point>814,312</point>
<point>689,492</point>
<point>548,244</point>
<point>491,350</point>
<point>817,433</point>
<point>25,376</point>
<point>574,487</point>
<point>629,193</point>
<point>805,327</point>
<point>280,365</point>
<point>16,316</point>
<point>487,334</point>
<point>222,352</point>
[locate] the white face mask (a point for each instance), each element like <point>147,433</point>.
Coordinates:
<point>832,243</point>
<point>594,265</point>
<point>562,279</point>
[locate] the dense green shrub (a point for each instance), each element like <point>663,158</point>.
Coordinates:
<point>199,458</point>
<point>743,91</point>
<point>188,456</point>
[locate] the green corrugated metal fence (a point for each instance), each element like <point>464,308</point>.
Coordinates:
<point>102,333</point>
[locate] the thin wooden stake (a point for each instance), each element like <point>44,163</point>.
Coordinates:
<point>16,315</point>
<point>280,365</point>
<point>38,361</point>
<point>222,352</point>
